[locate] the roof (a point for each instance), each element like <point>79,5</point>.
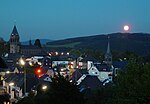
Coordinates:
<point>29,47</point>
<point>45,78</point>
<point>13,56</point>
<point>120,64</point>
<point>18,79</point>
<point>90,82</point>
<point>89,58</point>
<point>102,67</point>
<point>76,75</point>
<point>14,32</point>
<point>60,58</point>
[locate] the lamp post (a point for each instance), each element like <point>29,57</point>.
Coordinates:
<point>22,63</point>
<point>11,84</point>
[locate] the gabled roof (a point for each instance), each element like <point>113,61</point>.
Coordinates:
<point>14,32</point>
<point>82,71</point>
<point>89,58</point>
<point>60,58</point>
<point>102,67</point>
<point>45,78</point>
<point>90,82</point>
<point>76,75</point>
<point>120,64</point>
<point>29,47</point>
<point>18,80</point>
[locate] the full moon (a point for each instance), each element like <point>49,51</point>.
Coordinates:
<point>126,27</point>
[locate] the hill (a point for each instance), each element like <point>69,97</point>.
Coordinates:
<point>134,42</point>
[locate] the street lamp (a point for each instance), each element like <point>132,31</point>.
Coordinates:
<point>22,63</point>
<point>44,87</point>
<point>11,84</point>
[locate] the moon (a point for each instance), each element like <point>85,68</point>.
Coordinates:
<point>126,28</point>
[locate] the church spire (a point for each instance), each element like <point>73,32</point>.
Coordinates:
<point>108,56</point>
<point>14,31</point>
<point>14,41</point>
<point>108,49</point>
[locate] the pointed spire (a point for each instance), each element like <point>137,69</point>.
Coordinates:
<point>108,48</point>
<point>108,56</point>
<point>14,32</point>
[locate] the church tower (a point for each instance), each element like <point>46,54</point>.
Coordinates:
<point>108,56</point>
<point>14,41</point>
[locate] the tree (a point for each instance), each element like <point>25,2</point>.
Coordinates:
<point>30,99</point>
<point>4,47</point>
<point>61,91</point>
<point>37,43</point>
<point>132,85</point>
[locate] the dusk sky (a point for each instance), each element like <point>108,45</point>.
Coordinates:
<point>60,19</point>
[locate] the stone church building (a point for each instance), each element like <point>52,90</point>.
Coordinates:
<point>17,48</point>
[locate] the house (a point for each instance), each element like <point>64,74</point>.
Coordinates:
<point>102,71</point>
<point>3,69</point>
<point>77,74</point>
<point>89,81</point>
<point>14,83</point>
<point>17,48</point>
<point>47,62</point>
<point>44,82</point>
<point>85,62</point>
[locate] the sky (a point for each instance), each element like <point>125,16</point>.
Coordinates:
<point>61,19</point>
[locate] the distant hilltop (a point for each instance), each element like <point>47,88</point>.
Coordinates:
<point>138,43</point>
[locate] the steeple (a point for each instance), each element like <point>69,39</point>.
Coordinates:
<point>108,56</point>
<point>14,41</point>
<point>14,32</point>
<point>108,49</point>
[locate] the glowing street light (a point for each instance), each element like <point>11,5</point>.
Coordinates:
<point>56,53</point>
<point>68,53</point>
<point>22,62</point>
<point>7,72</point>
<point>44,87</point>
<point>11,84</point>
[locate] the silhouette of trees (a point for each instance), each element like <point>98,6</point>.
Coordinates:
<point>132,85</point>
<point>60,91</point>
<point>38,43</point>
